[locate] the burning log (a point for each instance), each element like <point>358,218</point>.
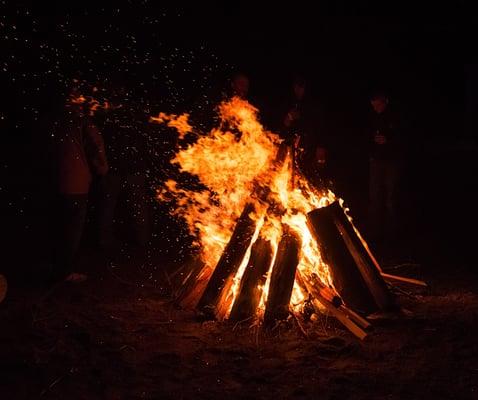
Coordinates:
<point>190,282</point>
<point>363,259</point>
<point>329,300</point>
<point>345,319</point>
<point>315,287</point>
<point>265,178</point>
<point>231,258</point>
<point>283,276</point>
<point>253,280</point>
<point>346,278</point>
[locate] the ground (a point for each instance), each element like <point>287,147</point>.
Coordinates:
<point>118,336</point>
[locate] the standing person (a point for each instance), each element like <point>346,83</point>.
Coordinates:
<point>126,148</point>
<point>204,110</point>
<point>239,86</point>
<point>81,155</point>
<point>301,123</point>
<point>385,162</point>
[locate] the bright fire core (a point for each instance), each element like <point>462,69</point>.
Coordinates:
<point>232,161</point>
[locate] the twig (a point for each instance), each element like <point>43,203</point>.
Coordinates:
<point>240,322</point>
<point>55,382</point>
<point>404,265</point>
<point>300,326</point>
<point>257,336</point>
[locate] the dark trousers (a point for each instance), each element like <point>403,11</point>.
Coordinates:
<point>133,188</point>
<point>383,192</point>
<point>72,215</point>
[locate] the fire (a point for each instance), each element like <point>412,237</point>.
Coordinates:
<point>180,123</point>
<point>93,104</point>
<point>235,164</point>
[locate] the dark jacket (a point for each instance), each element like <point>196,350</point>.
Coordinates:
<point>387,125</point>
<point>310,126</point>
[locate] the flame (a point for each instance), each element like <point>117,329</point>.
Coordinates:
<point>232,162</point>
<point>92,103</point>
<point>180,123</point>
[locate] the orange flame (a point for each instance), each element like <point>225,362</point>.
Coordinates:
<point>231,161</point>
<point>173,121</point>
<point>92,103</point>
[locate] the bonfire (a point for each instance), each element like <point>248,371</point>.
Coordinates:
<point>268,244</point>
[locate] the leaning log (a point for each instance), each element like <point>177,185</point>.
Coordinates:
<point>187,282</point>
<point>252,282</point>
<point>282,277</point>
<point>346,320</point>
<point>370,274</point>
<point>231,258</point>
<point>359,320</point>
<point>346,278</point>
<point>327,297</point>
<point>313,285</point>
<point>192,296</point>
<point>404,279</point>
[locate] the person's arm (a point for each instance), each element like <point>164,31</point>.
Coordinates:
<point>95,149</point>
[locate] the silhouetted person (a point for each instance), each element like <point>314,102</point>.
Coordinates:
<point>81,155</point>
<point>386,155</point>
<point>125,143</point>
<point>301,123</point>
<point>239,86</point>
<point>204,114</point>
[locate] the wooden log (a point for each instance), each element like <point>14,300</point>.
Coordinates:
<point>313,285</point>
<point>231,258</point>
<point>223,274</point>
<point>404,279</point>
<point>186,280</point>
<point>318,290</point>
<point>194,286</point>
<point>370,274</point>
<point>346,277</point>
<point>282,277</point>
<point>346,320</point>
<point>252,282</point>
<point>325,291</point>
<point>355,236</point>
<point>359,320</point>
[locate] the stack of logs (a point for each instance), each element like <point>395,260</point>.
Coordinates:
<point>359,283</point>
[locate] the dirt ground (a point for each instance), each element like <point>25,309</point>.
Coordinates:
<point>118,336</point>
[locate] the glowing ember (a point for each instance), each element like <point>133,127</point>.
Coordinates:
<point>234,162</point>
<point>92,104</point>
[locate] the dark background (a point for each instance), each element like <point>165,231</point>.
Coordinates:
<point>172,58</point>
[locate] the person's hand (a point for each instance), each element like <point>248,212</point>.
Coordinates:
<point>380,139</point>
<point>291,116</point>
<point>294,114</point>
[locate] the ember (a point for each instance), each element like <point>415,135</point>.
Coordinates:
<point>268,243</point>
